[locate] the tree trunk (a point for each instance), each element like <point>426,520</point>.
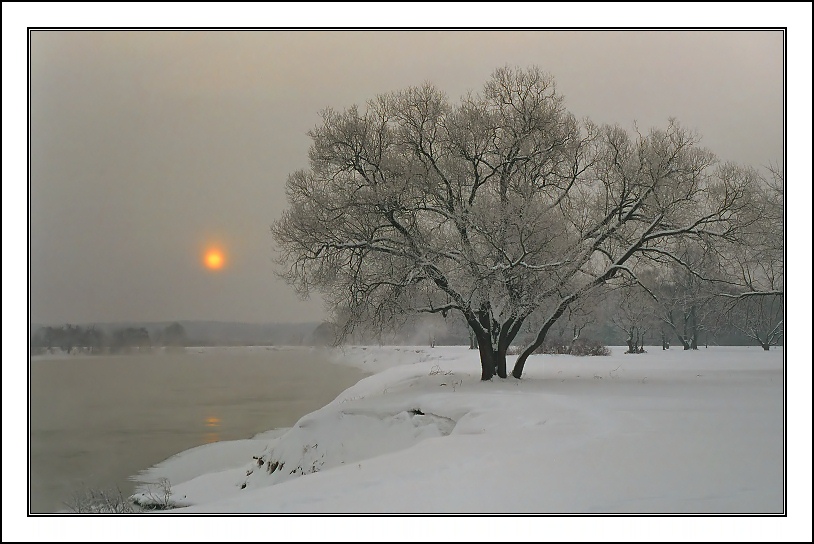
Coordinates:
<point>487,358</point>
<point>517,371</point>
<point>500,363</point>
<point>492,340</point>
<point>508,332</point>
<point>693,329</point>
<point>681,338</point>
<point>685,337</point>
<point>493,361</point>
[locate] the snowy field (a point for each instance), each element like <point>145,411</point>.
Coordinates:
<point>662,432</point>
<point>676,434</point>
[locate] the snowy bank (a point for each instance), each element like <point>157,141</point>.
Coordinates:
<point>662,432</point>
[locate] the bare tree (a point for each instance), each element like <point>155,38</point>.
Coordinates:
<point>498,208</point>
<point>683,290</point>
<point>753,294</point>
<point>634,314</point>
<point>648,197</point>
<point>759,318</point>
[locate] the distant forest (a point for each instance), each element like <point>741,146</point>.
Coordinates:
<point>134,337</point>
<point>127,337</point>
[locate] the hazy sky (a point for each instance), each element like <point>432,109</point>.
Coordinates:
<point>148,146</point>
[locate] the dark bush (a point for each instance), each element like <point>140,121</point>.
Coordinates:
<point>589,347</point>
<point>579,347</point>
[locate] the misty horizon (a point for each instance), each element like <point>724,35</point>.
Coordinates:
<point>150,148</point>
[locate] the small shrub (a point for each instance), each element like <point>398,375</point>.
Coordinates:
<point>589,347</point>
<point>157,497</point>
<point>100,501</point>
<point>435,370</point>
<point>580,347</point>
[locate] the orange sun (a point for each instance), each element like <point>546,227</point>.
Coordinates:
<point>214,259</point>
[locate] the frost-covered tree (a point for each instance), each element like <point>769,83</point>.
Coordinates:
<point>683,293</point>
<point>753,267</point>
<point>634,313</point>
<point>500,208</point>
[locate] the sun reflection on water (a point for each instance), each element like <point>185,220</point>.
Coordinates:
<point>212,422</point>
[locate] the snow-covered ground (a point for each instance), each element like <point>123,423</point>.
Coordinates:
<point>665,432</point>
<point>662,432</point>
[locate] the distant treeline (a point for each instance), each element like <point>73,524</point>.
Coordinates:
<point>136,337</point>
<point>434,330</point>
<point>109,338</point>
<point>96,340</point>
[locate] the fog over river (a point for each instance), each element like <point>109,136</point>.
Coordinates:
<point>96,421</point>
